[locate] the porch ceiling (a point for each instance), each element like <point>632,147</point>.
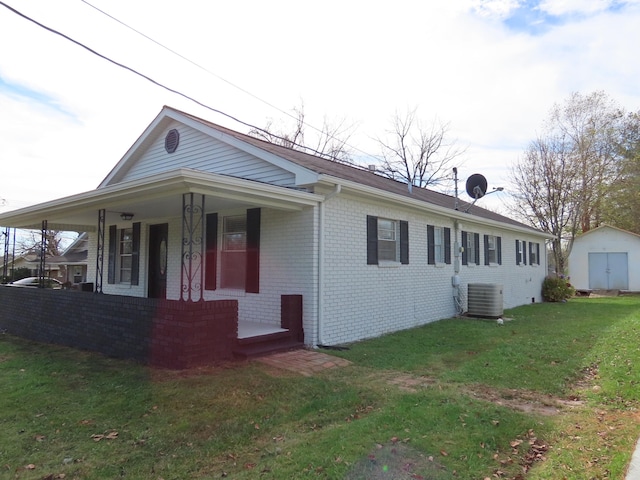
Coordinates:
<point>159,196</point>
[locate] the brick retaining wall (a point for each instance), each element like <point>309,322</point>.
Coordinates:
<point>164,333</point>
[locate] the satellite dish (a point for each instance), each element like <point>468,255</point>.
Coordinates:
<point>476,186</point>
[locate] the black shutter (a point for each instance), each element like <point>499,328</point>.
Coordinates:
<point>135,254</point>
<point>404,242</point>
<point>476,238</point>
<point>431,248</point>
<point>499,249</point>
<point>252,282</point>
<point>518,258</point>
<point>538,252</point>
<point>211,252</point>
<point>113,244</point>
<point>524,252</point>
<point>465,254</point>
<point>486,249</point>
<point>447,246</point>
<point>372,240</point>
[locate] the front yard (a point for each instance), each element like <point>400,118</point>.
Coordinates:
<point>552,393</point>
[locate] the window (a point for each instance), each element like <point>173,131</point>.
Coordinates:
<point>234,248</point>
<point>388,247</point>
<point>471,245</point>
<point>77,274</point>
<point>492,250</point>
<point>534,253</point>
<point>470,248</point>
<point>521,252</point>
<point>124,254</point>
<point>239,251</point>
<point>125,250</point>
<point>387,240</point>
<point>438,245</point>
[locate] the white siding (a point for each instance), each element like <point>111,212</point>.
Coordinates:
<point>604,240</point>
<point>199,151</point>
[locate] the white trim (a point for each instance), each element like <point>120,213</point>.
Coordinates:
<point>156,187</point>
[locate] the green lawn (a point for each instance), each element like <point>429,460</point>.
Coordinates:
<point>459,398</point>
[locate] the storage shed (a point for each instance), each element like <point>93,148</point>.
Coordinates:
<point>605,258</point>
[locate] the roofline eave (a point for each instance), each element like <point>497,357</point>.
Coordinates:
<point>402,200</point>
<point>174,182</point>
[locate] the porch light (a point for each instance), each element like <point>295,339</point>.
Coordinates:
<point>126,216</point>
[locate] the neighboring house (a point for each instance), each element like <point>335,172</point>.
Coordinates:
<point>73,261</point>
<point>605,258</point>
<point>197,212</point>
<point>31,262</point>
<point>70,267</point>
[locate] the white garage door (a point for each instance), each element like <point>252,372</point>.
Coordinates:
<point>608,271</point>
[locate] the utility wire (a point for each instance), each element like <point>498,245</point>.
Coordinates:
<point>157,83</point>
<point>161,45</point>
<point>187,59</point>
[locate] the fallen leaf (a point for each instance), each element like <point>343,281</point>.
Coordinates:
<point>31,466</point>
<point>39,438</point>
<point>444,453</point>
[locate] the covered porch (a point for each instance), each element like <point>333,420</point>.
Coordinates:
<point>181,199</point>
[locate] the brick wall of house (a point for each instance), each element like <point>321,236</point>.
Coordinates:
<point>162,333</point>
<point>363,301</point>
<point>288,266</point>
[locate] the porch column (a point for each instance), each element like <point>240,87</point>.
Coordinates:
<point>5,263</point>
<point>43,254</point>
<point>100,251</point>
<point>192,271</point>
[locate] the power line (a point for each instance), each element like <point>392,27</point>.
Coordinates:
<point>161,45</point>
<point>155,82</point>
<point>186,59</point>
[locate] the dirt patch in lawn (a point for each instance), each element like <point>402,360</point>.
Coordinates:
<point>406,382</point>
<point>523,400</point>
<point>397,461</point>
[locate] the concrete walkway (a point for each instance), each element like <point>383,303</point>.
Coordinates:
<point>634,467</point>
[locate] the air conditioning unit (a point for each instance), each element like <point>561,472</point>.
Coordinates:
<point>485,300</point>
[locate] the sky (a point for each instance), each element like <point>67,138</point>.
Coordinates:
<point>490,69</point>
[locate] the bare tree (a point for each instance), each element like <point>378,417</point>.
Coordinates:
<point>544,193</point>
<point>32,243</point>
<point>592,125</point>
<point>329,141</point>
<point>420,155</point>
<point>561,182</point>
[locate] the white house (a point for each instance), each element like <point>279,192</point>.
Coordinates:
<point>605,258</point>
<point>197,212</point>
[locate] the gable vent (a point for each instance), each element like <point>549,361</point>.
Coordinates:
<point>172,140</point>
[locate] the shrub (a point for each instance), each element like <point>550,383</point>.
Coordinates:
<point>557,289</point>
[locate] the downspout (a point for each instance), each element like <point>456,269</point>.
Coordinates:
<point>321,255</point>
<point>455,280</point>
